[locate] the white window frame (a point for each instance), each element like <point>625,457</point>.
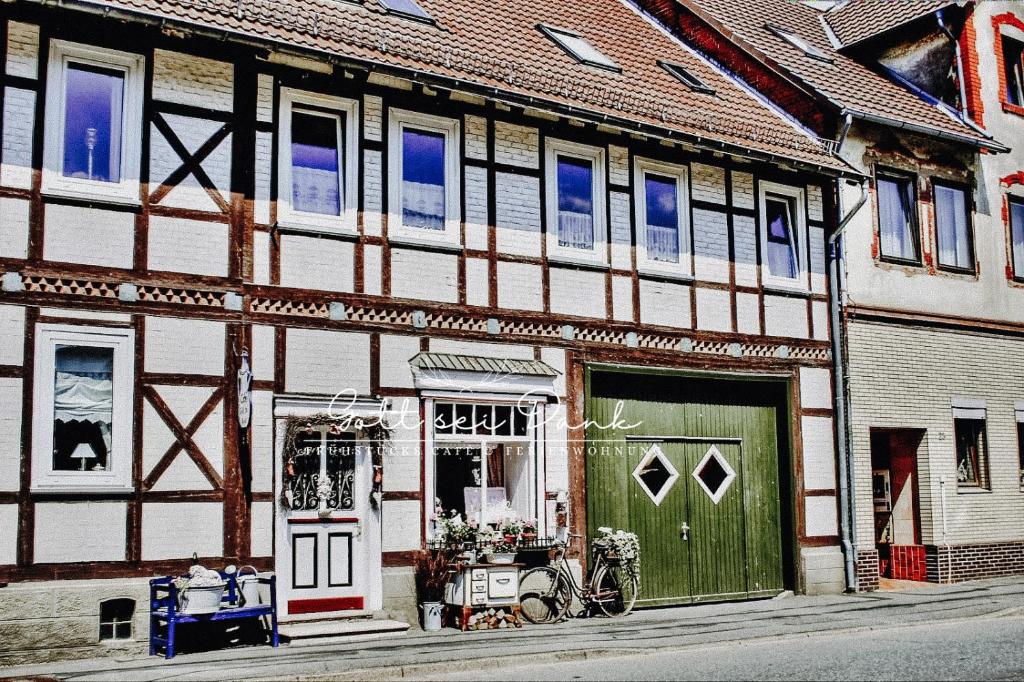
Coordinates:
<point>451,236</point>
<point>348,155</point>
<point>596,155</point>
<point>118,478</point>
<point>126,191</point>
<point>537,441</point>
<point>684,268</point>
<point>797,197</point>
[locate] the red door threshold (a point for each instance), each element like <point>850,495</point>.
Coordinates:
<point>300,606</point>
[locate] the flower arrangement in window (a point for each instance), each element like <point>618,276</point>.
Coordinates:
<point>451,529</point>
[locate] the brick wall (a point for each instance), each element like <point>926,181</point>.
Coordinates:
<point>867,570</point>
<point>958,563</point>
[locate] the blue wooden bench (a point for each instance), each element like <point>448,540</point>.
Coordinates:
<point>163,609</point>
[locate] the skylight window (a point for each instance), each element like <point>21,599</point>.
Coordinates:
<point>799,43</point>
<point>688,79</point>
<point>406,7</point>
<point>579,48</point>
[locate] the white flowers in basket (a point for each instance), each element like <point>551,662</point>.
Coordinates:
<point>201,592</point>
<point>622,544</point>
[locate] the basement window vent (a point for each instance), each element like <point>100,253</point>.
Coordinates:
<point>687,78</point>
<point>577,46</point>
<point>116,619</point>
<point>799,43</point>
<point>407,8</point>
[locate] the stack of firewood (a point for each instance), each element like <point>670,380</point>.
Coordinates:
<point>492,619</point>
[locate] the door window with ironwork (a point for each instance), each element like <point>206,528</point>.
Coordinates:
<point>321,471</point>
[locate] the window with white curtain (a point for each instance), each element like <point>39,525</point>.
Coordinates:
<point>1016,207</point>
<point>953,227</point>
<point>82,411</point>
<point>575,197</point>
<point>662,218</point>
<point>784,237</point>
<point>897,218</point>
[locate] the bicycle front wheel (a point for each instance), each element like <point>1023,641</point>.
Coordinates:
<point>544,595</point>
<point>617,589</point>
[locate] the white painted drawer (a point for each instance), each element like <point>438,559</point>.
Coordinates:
<point>502,584</point>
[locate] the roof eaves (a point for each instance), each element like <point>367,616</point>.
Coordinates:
<point>981,143</point>
<point>903,22</point>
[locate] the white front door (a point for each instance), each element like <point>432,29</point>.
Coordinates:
<point>328,559</point>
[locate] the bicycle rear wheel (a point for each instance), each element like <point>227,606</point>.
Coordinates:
<point>544,595</point>
<point>617,589</point>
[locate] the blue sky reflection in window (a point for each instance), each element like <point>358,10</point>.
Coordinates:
<point>92,123</point>
<point>781,244</point>
<point>83,408</point>
<point>662,203</point>
<point>405,7</point>
<point>423,190</point>
<point>316,167</point>
<point>575,203</point>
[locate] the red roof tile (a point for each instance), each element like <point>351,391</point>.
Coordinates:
<point>856,20</point>
<point>497,45</point>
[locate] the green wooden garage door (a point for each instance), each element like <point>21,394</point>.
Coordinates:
<point>697,481</point>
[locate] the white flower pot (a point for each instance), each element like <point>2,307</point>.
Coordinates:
<point>201,600</point>
<point>432,615</point>
<point>501,558</point>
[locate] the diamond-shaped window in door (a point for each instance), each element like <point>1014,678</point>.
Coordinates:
<point>714,474</point>
<point>655,474</point>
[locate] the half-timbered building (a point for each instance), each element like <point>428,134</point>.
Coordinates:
<point>556,220</point>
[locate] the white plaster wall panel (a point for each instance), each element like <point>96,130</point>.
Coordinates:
<point>192,80</point>
<point>622,229</point>
<point>262,441</point>
<point>184,403</point>
<point>476,208</point>
<point>372,193</point>
<point>373,117</point>
<point>556,455</point>
<point>327,362</point>
<point>714,310</point>
<point>317,263</point>
<point>402,460</point>
<point>711,245</point>
<point>815,204</point>
<point>261,257</point>
<point>816,237</point>
<point>263,172</point>
<point>8,534</point>
<point>815,388</point>
<point>372,275</point>
<point>708,183</point>
<point>819,315</point>
<point>182,474</point>
<point>520,286</point>
<point>476,137</point>
<point>784,316</point>
<point>395,354</point>
<point>424,275</point>
<point>577,292</point>
<point>13,228</point>
<point>748,314</point>
<point>622,298</point>
<point>402,519</point>
<point>16,157</point>
<point>742,189</point>
<point>745,249</point>
<point>265,98</point>
<point>22,49</point>
<point>193,133</point>
<point>262,354</point>
<point>10,434</point>
<point>80,531</point>
<point>618,165</point>
<point>477,282</point>
<point>516,145</point>
<point>89,235</point>
<point>156,437</point>
<point>177,530</point>
<point>517,202</point>
<point>193,246</point>
<point>261,530</point>
<point>209,438</point>
<point>485,350</point>
<point>819,453</point>
<point>186,346</point>
<point>665,303</point>
<point>12,334</point>
<point>555,358</point>
<point>821,516</point>
<point>95,315</point>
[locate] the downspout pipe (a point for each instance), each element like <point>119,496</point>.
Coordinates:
<point>847,523</point>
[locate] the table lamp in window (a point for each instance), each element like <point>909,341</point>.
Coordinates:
<point>82,453</point>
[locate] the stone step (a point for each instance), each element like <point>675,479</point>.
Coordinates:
<point>341,629</point>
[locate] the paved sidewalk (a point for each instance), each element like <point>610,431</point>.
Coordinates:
<point>423,654</point>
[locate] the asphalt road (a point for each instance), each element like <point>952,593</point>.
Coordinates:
<point>975,649</point>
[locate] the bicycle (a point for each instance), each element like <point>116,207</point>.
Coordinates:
<point>546,593</point>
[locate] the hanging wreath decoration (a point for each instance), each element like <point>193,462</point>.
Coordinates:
<point>375,431</point>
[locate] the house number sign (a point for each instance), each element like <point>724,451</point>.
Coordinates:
<point>244,391</point>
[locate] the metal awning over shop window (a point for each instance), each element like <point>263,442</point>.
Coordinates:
<point>472,363</point>
<point>444,372</point>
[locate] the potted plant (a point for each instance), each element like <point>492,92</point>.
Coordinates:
<point>201,591</point>
<point>452,530</point>
<point>529,532</point>
<point>432,573</point>
<point>496,548</point>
